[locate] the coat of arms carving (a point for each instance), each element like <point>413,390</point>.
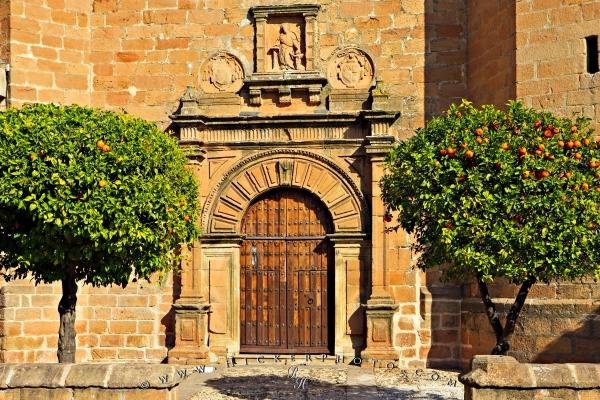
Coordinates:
<point>222,73</point>
<point>350,69</point>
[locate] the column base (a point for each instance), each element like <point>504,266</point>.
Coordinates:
<point>189,355</point>
<point>190,334</point>
<point>380,315</point>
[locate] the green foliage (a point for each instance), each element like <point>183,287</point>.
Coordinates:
<point>465,187</point>
<point>106,193</point>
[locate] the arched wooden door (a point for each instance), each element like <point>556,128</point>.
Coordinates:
<point>286,275</point>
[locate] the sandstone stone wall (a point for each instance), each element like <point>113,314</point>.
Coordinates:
<point>445,69</point>
<point>551,56</point>
<point>138,56</point>
<point>504,378</point>
<point>560,322</point>
<point>91,381</point>
<point>113,323</point>
<point>49,51</point>
<point>4,39</point>
<point>491,50</point>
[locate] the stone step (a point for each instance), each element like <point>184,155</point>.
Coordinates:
<point>283,359</point>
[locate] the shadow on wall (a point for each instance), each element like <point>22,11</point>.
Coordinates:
<point>464,57</point>
<point>579,345</point>
<point>445,72</point>
<point>491,55</point>
<point>440,319</point>
<point>560,322</point>
<point>168,320</point>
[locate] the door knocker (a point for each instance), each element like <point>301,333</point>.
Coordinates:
<point>254,253</point>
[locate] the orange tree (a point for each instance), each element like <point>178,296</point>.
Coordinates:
<point>89,195</point>
<point>493,193</point>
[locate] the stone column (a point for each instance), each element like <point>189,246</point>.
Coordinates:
<point>380,307</point>
<point>191,309</point>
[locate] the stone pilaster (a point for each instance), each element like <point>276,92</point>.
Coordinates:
<point>380,307</point>
<point>191,309</point>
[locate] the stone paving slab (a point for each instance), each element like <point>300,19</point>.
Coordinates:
<point>275,382</point>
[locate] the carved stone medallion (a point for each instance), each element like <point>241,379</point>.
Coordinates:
<point>222,73</point>
<point>350,68</point>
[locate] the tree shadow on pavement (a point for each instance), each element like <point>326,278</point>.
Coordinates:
<point>274,387</point>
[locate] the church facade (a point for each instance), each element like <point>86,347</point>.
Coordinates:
<point>286,112</point>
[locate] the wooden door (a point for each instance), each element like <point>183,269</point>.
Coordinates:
<point>286,275</point>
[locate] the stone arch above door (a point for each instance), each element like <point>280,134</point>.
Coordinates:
<point>254,175</point>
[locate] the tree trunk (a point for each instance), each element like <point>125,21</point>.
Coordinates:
<point>66,310</point>
<point>503,333</point>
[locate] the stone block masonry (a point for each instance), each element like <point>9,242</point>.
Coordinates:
<point>504,378</point>
<point>551,57</point>
<point>112,323</point>
<point>90,381</point>
<point>138,56</point>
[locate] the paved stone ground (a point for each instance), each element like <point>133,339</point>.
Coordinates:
<point>274,382</point>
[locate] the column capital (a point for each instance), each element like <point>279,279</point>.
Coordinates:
<point>379,145</point>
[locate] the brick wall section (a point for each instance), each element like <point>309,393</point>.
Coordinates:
<point>49,46</point>
<point>112,323</point>
<point>445,70</point>
<point>551,56</point>
<point>491,51</point>
<point>560,322</point>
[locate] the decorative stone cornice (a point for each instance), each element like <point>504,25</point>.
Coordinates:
<point>284,9</point>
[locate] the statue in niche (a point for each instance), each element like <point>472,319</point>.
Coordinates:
<point>286,52</point>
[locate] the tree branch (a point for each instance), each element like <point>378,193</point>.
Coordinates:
<point>492,314</point>
<point>515,309</point>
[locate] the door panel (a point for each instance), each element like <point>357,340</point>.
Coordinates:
<point>285,261</point>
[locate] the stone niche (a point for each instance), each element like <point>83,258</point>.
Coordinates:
<point>286,54</point>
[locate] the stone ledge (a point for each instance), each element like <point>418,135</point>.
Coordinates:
<point>505,372</point>
<point>98,375</point>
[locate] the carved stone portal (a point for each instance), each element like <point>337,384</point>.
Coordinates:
<point>222,73</point>
<point>350,68</point>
